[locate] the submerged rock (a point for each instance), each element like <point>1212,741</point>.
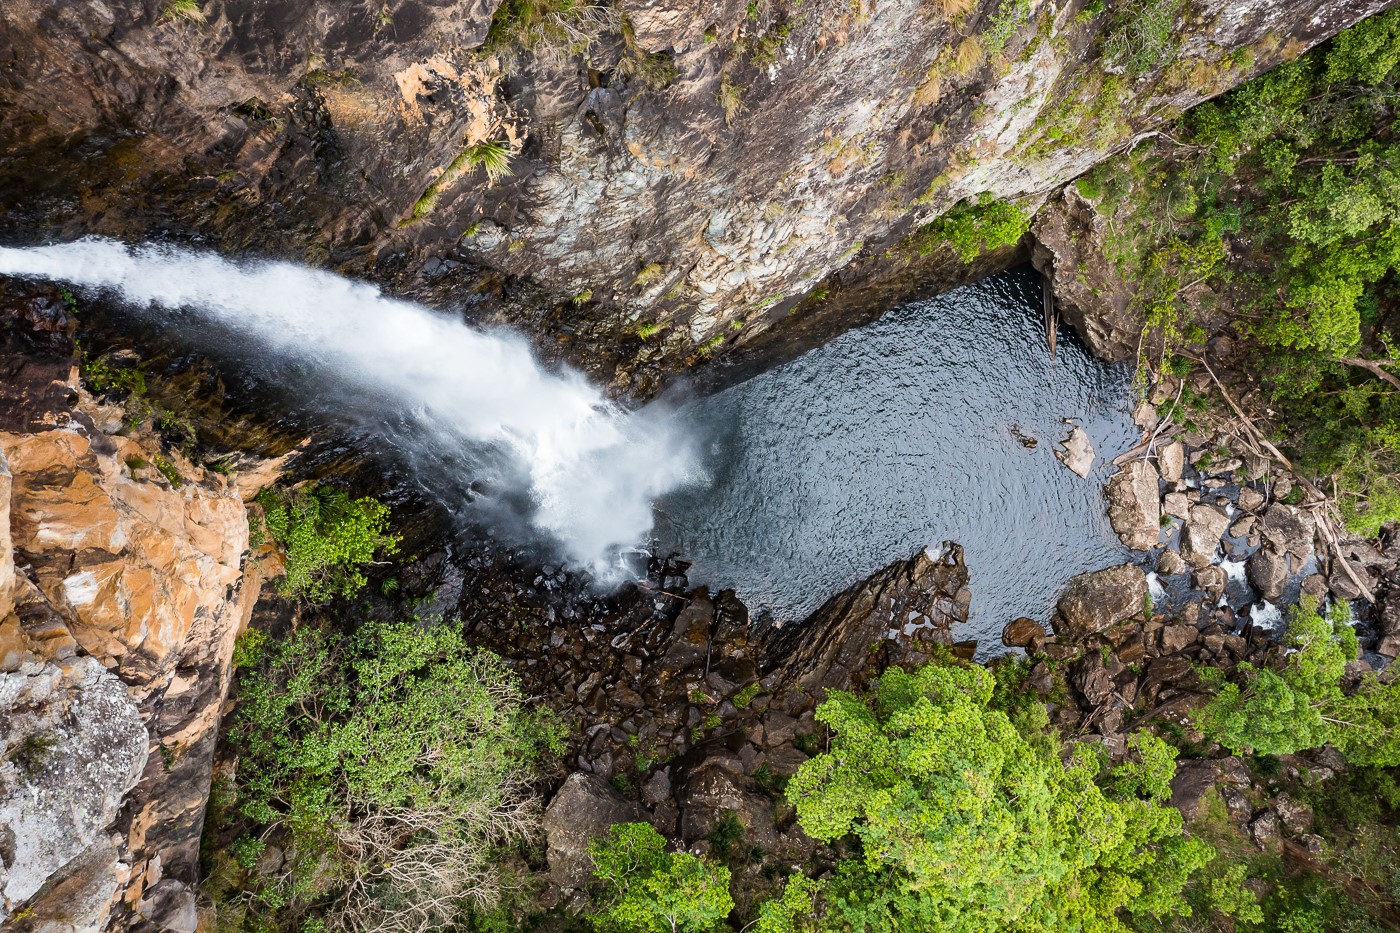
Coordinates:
<point>1022,633</point>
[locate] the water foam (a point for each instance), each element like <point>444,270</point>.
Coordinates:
<point>591,469</point>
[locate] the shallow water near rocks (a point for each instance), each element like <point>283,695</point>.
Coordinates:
<point>899,436</point>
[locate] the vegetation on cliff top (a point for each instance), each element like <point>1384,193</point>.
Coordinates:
<point>1275,211</point>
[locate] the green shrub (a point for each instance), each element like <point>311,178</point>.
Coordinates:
<point>183,11</point>
<point>645,889</point>
<point>1009,17</point>
<point>104,374</point>
<point>1301,704</point>
<point>1144,35</point>
<point>326,538</point>
<point>972,228</point>
<point>391,766</point>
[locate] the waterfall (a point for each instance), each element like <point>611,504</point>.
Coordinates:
<point>589,469</point>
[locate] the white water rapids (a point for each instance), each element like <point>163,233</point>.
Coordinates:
<point>590,468</point>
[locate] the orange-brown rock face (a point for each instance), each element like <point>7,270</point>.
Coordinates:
<point>121,594</point>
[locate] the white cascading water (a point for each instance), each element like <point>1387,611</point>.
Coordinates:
<point>592,469</point>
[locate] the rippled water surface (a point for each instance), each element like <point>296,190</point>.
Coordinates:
<point>901,435</point>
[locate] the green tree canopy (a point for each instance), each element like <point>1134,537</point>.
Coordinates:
<point>326,538</point>
<point>646,889</point>
<point>391,765</point>
<point>1302,704</point>
<point>967,822</point>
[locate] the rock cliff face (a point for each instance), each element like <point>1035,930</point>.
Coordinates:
<point>121,593</point>
<point>682,175</point>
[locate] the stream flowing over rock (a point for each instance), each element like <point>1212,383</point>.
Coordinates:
<point>705,174</point>
<point>122,595</point>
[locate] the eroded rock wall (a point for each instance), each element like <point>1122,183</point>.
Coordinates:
<point>683,173</point>
<point>123,591</point>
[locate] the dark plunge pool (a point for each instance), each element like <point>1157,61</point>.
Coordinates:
<point>899,436</point>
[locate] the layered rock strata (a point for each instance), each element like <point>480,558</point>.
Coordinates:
<point>121,594</point>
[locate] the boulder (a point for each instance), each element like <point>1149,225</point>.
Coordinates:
<point>1236,805</point>
<point>1264,830</point>
<point>1174,638</point>
<point>1211,579</point>
<point>1171,461</point>
<point>1296,817</point>
<point>1022,633</point>
<point>1290,528</point>
<point>1091,602</point>
<point>1251,499</point>
<point>1194,779</point>
<point>1267,570</point>
<point>1201,538</point>
<point>1092,682</point>
<point>1076,452</point>
<point>1134,508</point>
<point>712,792</point>
<point>1170,564</point>
<point>580,812</point>
<point>1177,504</point>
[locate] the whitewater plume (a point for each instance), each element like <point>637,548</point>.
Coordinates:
<point>589,468</point>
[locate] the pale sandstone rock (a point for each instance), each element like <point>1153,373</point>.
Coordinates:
<point>1201,538</point>
<point>1076,452</point>
<point>128,626</point>
<point>71,746</point>
<point>1134,509</point>
<point>1171,460</point>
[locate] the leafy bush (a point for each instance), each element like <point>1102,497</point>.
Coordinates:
<point>1144,35</point>
<point>391,766</point>
<point>973,228</point>
<point>326,537</point>
<point>1009,17</point>
<point>968,820</point>
<point>105,374</point>
<point>645,889</point>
